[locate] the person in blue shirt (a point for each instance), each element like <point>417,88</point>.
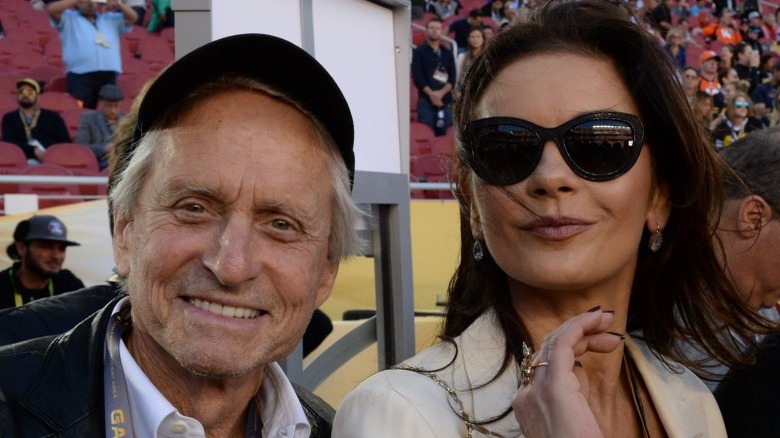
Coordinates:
<point>90,44</point>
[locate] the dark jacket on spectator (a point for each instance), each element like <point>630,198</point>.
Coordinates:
<point>49,129</point>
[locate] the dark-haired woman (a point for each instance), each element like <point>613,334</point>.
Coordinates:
<point>586,190</point>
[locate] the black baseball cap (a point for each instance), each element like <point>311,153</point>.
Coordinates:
<point>281,65</point>
<point>43,227</point>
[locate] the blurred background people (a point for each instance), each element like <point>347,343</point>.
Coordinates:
<point>97,127</point>
<point>736,122</point>
<point>476,41</point>
<point>90,44</point>
<point>31,127</point>
<point>38,251</point>
<point>434,74</point>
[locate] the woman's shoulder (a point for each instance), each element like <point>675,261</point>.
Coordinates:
<point>398,402</point>
<point>684,403</point>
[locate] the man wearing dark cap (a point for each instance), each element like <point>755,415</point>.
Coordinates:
<point>38,252</point>
<point>30,127</point>
<point>232,212</point>
<point>97,127</point>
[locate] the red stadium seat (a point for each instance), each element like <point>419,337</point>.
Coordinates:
<point>12,162</point>
<point>58,101</point>
<point>47,190</point>
<point>72,118</point>
<point>77,158</point>
<point>421,134</point>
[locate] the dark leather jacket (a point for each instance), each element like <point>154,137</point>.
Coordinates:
<point>53,386</point>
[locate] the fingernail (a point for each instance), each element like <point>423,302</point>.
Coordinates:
<point>594,309</point>
<point>622,337</point>
<point>608,311</point>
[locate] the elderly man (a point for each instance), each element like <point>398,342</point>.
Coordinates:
<point>31,127</point>
<point>231,214</point>
<point>750,231</point>
<point>39,252</point>
<point>97,127</point>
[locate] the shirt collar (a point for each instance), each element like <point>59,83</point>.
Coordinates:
<point>281,412</point>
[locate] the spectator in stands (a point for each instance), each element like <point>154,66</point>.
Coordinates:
<point>690,77</point>
<point>727,76</point>
<point>703,109</point>
<point>90,44</point>
<point>493,10</point>
<point>31,127</point>
<point>550,228</point>
<point>749,232</point>
<point>737,121</point>
<point>749,227</point>
<point>444,8</point>
<point>139,6</point>
<point>674,46</point>
<point>707,27</point>
<point>708,73</point>
<point>726,57</point>
<point>661,16</point>
<point>38,252</point>
<point>434,74</point>
<point>727,31</point>
<point>162,16</point>
<point>476,42</point>
<point>746,63</point>
<point>97,127</point>
<point>461,28</point>
<point>764,96</point>
<point>769,28</point>
<point>699,7</point>
<point>229,227</point>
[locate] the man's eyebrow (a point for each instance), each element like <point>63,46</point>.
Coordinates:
<point>175,189</point>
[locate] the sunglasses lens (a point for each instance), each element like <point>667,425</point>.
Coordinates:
<point>504,153</point>
<point>601,148</point>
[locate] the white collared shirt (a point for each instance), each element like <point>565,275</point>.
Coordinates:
<point>154,416</point>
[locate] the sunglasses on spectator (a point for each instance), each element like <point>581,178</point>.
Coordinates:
<point>742,104</point>
<point>598,146</point>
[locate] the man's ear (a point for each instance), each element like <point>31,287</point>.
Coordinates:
<point>122,241</point>
<point>753,213</point>
<point>21,249</point>
<point>326,283</point>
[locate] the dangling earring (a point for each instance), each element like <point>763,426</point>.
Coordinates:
<point>477,251</point>
<point>656,239</point>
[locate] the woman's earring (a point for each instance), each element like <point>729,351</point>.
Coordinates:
<point>656,239</point>
<point>477,251</point>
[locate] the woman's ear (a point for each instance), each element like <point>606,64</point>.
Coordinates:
<point>475,222</point>
<point>660,208</point>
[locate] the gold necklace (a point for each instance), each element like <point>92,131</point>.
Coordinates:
<point>640,409</point>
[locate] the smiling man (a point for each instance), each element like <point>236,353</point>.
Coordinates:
<point>232,212</point>
<point>38,252</point>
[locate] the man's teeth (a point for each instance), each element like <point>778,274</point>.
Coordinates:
<point>228,311</point>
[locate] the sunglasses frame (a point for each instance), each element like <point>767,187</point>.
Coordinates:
<point>557,134</point>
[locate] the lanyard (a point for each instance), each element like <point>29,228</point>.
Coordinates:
<point>29,127</point>
<point>18,300</point>
<point>119,421</point>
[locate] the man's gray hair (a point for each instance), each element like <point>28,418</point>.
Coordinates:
<point>755,160</point>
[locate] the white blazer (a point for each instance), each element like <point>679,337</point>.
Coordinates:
<point>402,403</point>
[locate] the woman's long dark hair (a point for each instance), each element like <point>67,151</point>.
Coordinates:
<point>680,293</point>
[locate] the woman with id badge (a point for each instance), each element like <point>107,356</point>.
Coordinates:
<point>586,190</point>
